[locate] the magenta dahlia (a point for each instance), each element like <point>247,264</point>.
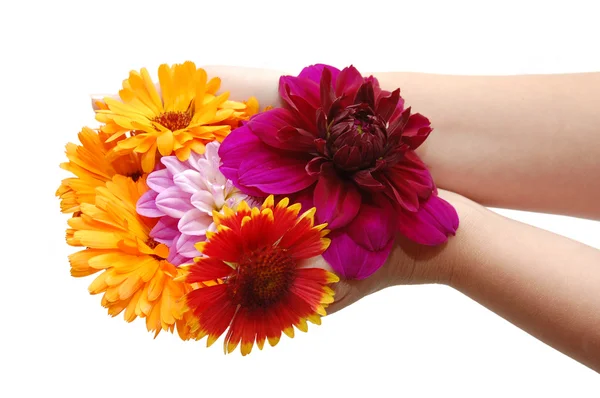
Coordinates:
<point>346,146</point>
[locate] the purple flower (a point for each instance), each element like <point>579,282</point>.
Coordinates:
<point>346,146</point>
<point>184,195</point>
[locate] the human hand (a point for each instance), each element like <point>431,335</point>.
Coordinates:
<point>412,264</point>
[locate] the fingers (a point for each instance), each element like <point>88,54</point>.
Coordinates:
<point>345,294</point>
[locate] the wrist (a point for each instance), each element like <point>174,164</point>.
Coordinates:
<point>411,263</point>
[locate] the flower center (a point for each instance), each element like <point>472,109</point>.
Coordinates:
<point>174,120</point>
<point>264,277</point>
<point>135,175</point>
<point>356,138</point>
<point>151,243</point>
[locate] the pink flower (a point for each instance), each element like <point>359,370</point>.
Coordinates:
<point>184,195</point>
<point>346,146</point>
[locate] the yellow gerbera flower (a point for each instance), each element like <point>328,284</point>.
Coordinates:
<point>136,277</point>
<point>185,115</point>
<point>92,168</point>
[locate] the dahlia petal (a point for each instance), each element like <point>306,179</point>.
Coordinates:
<point>211,154</point>
<point>195,222</point>
<point>387,104</point>
<point>304,198</point>
<point>304,112</point>
<point>186,245</point>
<point>416,131</point>
<point>327,92</point>
<point>203,200</point>
<point>366,94</point>
<point>190,181</point>
<point>352,261</point>
<point>165,231</point>
<point>173,202</point>
<point>275,128</point>
<point>337,201</point>
<point>234,150</point>
<point>314,72</point>
<point>160,180</point>
<point>275,173</point>
<point>173,164</point>
<point>347,83</point>
<point>304,88</point>
<point>409,182</point>
<point>364,178</point>
<point>177,259</point>
<point>373,227</point>
<point>397,123</point>
<point>432,224</point>
<point>146,205</point>
<point>314,167</point>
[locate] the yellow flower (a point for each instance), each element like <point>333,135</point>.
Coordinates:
<point>183,117</point>
<point>135,275</point>
<point>92,168</point>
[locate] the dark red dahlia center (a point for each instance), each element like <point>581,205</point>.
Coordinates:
<point>263,277</point>
<point>356,138</point>
<point>174,120</point>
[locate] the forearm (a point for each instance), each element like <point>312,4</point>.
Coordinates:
<point>529,142</point>
<point>543,283</point>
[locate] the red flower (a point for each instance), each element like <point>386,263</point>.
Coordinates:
<point>252,279</point>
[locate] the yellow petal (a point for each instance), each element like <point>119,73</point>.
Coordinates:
<point>165,142</point>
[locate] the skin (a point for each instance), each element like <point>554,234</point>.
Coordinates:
<point>521,142</point>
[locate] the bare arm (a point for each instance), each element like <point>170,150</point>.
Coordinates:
<point>545,284</point>
<point>529,142</point>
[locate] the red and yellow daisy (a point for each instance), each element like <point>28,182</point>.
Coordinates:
<point>260,287</point>
<point>92,168</point>
<point>184,115</point>
<point>135,278</point>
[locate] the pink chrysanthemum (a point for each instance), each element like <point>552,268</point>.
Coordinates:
<point>183,195</point>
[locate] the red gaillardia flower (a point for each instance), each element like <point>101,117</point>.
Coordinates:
<point>347,147</point>
<point>253,277</point>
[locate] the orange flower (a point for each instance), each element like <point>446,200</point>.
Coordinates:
<point>185,115</point>
<point>92,168</point>
<point>259,285</point>
<point>135,277</point>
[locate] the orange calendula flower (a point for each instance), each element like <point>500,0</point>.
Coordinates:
<point>92,168</point>
<point>135,276</point>
<point>260,288</point>
<point>184,115</point>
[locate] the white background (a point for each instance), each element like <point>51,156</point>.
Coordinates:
<point>419,341</point>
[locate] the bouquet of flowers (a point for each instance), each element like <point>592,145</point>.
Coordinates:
<point>201,213</point>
